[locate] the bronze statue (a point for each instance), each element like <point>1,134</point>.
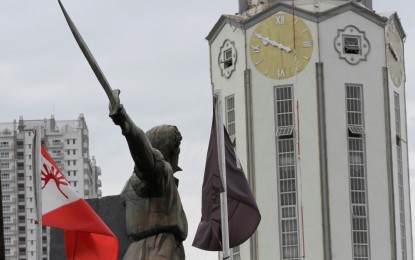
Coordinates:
<point>156,222</point>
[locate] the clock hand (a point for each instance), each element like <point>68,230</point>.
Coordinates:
<point>266,41</point>
<point>393,51</point>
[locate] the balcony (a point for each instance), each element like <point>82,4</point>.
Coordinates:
<point>10,178</point>
<point>7,157</point>
<point>11,200</point>
<point>55,145</point>
<point>7,167</point>
<point>5,146</point>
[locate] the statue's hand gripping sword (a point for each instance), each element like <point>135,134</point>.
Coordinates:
<point>91,60</point>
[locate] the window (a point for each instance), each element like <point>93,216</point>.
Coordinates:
<point>6,208</point>
<point>400,175</point>
<point>4,155</point>
<point>351,44</point>
<point>73,141</point>
<point>5,176</point>
<point>56,153</point>
<point>354,105</point>
<point>7,240</point>
<point>4,144</point>
<point>74,183</point>
<point>230,115</point>
<point>74,173</point>
<point>235,253</point>
<point>287,176</point>
<point>58,163</point>
<point>4,165</point>
<point>74,162</point>
<point>20,166</point>
<point>74,151</point>
<point>7,229</point>
<point>284,111</point>
<point>357,172</point>
<point>20,155</point>
<point>5,197</point>
<point>397,114</point>
<point>6,219</point>
<point>228,58</point>
<point>5,186</point>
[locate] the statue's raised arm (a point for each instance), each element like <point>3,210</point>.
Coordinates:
<point>140,147</point>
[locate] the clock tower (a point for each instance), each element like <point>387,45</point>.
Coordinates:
<point>314,98</point>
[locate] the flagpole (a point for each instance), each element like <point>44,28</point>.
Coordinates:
<point>38,194</point>
<point>222,170</point>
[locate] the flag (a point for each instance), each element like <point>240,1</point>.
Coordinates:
<point>243,213</point>
<point>87,237</point>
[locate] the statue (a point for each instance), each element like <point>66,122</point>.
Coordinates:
<point>156,222</point>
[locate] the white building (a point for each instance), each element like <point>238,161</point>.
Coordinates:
<point>67,143</point>
<point>315,101</point>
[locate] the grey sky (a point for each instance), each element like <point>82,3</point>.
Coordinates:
<point>155,52</point>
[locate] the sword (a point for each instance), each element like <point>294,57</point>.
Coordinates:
<point>91,60</point>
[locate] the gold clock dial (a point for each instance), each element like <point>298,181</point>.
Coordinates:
<point>281,46</point>
<point>394,52</point>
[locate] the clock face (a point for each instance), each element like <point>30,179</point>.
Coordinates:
<point>394,52</point>
<point>281,46</point>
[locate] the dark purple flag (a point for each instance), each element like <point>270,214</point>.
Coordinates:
<point>243,213</point>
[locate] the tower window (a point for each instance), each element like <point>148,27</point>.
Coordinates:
<point>286,173</point>
<point>228,58</point>
<point>230,115</point>
<point>351,44</point>
<point>357,172</point>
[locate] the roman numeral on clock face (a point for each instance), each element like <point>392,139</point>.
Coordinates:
<point>307,44</point>
<point>280,19</point>
<point>281,73</point>
<point>255,48</point>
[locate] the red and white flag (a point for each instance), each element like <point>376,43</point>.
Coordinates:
<point>87,237</point>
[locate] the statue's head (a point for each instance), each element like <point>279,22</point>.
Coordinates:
<point>166,139</point>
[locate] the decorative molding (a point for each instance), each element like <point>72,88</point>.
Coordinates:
<point>364,45</point>
<point>227,58</point>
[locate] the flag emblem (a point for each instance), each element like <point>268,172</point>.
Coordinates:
<point>52,173</point>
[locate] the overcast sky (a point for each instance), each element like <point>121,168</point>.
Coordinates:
<point>155,52</point>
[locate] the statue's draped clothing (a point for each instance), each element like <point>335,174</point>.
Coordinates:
<point>156,222</point>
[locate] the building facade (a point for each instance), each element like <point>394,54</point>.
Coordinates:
<point>315,101</point>
<point>67,143</point>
